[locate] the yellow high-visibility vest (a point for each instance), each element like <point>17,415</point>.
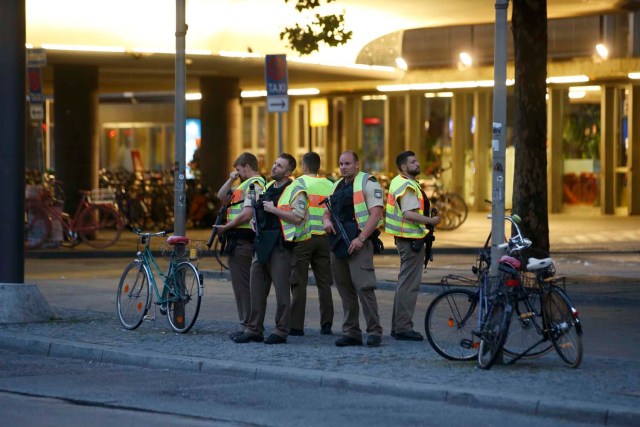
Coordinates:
<point>317,190</point>
<point>395,223</point>
<point>236,204</point>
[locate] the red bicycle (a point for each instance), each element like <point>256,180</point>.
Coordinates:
<point>97,224</point>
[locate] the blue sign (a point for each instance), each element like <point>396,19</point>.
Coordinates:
<point>275,72</point>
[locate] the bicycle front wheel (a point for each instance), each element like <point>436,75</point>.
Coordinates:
<point>133,295</point>
<point>564,326</point>
<point>37,228</point>
<point>99,226</point>
<point>449,323</point>
<point>526,329</point>
<point>183,293</point>
<point>494,332</point>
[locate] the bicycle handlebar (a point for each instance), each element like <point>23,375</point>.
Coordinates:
<point>147,233</point>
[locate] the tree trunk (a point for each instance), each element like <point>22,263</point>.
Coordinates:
<point>529,21</point>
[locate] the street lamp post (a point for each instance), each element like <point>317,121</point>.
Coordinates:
<point>498,143</point>
<point>179,168</point>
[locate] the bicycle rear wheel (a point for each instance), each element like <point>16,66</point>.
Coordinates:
<point>494,332</point>
<point>184,297</point>
<point>526,328</point>
<point>133,295</point>
<point>449,323</point>
<point>564,326</point>
<point>37,229</point>
<point>99,226</point>
<point>453,211</point>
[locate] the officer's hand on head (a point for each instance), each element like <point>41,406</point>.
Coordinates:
<point>233,175</point>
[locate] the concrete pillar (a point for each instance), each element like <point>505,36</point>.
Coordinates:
<point>555,170</point>
<point>607,145</point>
<point>12,148</point>
<point>394,131</point>
<point>220,116</point>
<point>634,35</point>
<point>414,125</point>
<point>353,125</point>
<point>634,150</point>
<point>482,149</point>
<point>461,139</point>
<point>75,115</point>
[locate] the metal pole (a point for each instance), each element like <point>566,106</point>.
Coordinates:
<point>499,129</point>
<point>12,121</point>
<point>279,133</point>
<point>179,201</point>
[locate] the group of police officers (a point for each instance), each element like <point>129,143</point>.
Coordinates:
<point>276,230</point>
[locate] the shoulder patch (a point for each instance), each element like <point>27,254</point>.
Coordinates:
<point>301,204</point>
<point>377,194</point>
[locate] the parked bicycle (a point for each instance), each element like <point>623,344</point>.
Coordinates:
<point>97,224</point>
<point>182,284</point>
<point>523,312</point>
<point>451,206</point>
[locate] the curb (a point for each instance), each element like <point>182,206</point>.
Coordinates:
<point>573,410</point>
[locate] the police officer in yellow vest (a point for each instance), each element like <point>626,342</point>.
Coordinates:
<point>238,233</point>
<point>312,247</point>
<point>281,209</point>
<point>357,202</point>
<point>405,219</point>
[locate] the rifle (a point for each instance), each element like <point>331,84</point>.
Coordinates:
<point>254,207</point>
<point>222,214</point>
<point>429,238</point>
<point>341,232</point>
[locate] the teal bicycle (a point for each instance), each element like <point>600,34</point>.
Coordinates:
<point>182,288</point>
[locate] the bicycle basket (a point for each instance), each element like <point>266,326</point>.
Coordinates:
<point>103,196</point>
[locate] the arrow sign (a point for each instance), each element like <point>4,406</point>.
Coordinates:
<point>277,104</point>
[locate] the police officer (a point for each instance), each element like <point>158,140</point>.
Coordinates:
<point>312,247</point>
<point>277,215</point>
<point>407,218</point>
<point>238,233</point>
<point>356,205</point>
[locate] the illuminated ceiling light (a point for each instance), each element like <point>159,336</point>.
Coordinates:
<point>28,45</point>
<point>402,64</point>
<point>584,88</point>
<point>444,94</point>
<point>194,96</point>
<point>510,82</point>
<point>426,86</point>
<point>253,93</point>
<point>303,91</point>
<point>429,95</point>
<point>83,48</point>
<point>577,94</point>
<point>568,79</point>
<point>393,88</point>
<point>459,85</point>
<point>485,83</point>
<point>465,60</point>
<point>602,51</point>
<point>153,51</point>
<point>634,76</point>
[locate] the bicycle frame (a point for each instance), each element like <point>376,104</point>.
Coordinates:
<point>148,260</point>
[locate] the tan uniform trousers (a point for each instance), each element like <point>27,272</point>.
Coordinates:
<point>314,251</point>
<point>356,280</point>
<point>240,270</point>
<point>277,271</point>
<point>409,277</point>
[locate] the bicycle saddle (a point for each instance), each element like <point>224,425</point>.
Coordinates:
<point>513,262</point>
<point>175,240</point>
<point>539,264</point>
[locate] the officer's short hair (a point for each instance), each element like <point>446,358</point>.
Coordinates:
<point>403,157</point>
<point>290,160</point>
<point>312,161</point>
<point>245,159</point>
